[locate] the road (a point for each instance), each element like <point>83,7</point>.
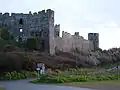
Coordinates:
<point>25,85</point>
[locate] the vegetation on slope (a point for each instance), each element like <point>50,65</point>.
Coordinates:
<point>14,57</point>
<point>78,75</point>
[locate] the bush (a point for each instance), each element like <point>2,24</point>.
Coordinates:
<point>19,75</point>
<point>4,34</point>
<point>16,62</point>
<point>73,78</point>
<point>32,44</point>
<point>62,79</point>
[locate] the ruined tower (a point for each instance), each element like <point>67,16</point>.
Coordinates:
<point>51,38</point>
<point>39,24</point>
<point>57,30</point>
<point>94,38</point>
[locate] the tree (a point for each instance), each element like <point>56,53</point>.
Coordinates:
<point>4,34</point>
<point>32,43</point>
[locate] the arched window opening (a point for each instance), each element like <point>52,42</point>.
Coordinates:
<point>21,21</point>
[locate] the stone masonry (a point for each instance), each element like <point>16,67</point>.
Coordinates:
<point>94,38</point>
<point>69,42</point>
<point>41,24</point>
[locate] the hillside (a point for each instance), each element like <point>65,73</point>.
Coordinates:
<point>17,55</point>
<point>19,59</point>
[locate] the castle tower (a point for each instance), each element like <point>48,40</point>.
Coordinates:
<point>47,31</point>
<point>94,38</point>
<point>51,39</point>
<point>29,25</point>
<point>57,30</point>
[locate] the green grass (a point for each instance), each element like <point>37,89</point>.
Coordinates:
<point>1,89</point>
<point>112,82</point>
<point>102,85</point>
<point>76,75</point>
<point>47,79</point>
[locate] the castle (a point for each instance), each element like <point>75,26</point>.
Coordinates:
<point>41,24</point>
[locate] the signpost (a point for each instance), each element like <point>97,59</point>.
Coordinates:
<point>40,68</point>
<point>118,67</point>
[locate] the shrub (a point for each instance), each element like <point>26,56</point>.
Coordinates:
<point>32,44</point>
<point>16,62</point>
<point>73,78</point>
<point>62,79</point>
<point>19,75</point>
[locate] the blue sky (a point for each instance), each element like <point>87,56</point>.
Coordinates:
<point>101,16</point>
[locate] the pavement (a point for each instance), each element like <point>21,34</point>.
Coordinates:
<point>26,85</point>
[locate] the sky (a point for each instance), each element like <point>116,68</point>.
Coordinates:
<point>83,16</point>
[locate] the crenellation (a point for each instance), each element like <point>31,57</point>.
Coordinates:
<point>76,33</point>
<point>6,14</point>
<point>39,12</point>
<point>35,13</point>
<point>68,42</point>
<point>12,14</point>
<point>43,11</point>
<point>0,13</point>
<point>30,13</point>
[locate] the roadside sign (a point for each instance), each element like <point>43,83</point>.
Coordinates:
<point>37,69</point>
<point>39,64</point>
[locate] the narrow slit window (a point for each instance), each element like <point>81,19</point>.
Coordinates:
<point>21,21</point>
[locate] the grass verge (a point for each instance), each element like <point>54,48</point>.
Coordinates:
<point>50,79</point>
<point>1,88</point>
<point>101,85</point>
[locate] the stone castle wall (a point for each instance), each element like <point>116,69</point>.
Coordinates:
<point>69,42</point>
<point>42,24</point>
<point>94,37</point>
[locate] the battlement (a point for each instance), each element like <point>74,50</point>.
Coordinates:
<point>41,24</point>
<point>57,27</point>
<point>76,33</point>
<point>66,34</point>
<point>30,13</point>
<point>42,12</point>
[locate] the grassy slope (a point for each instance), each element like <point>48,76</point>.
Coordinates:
<point>1,89</point>
<point>100,85</point>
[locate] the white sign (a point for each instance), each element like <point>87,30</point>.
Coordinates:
<point>21,30</point>
<point>37,69</point>
<point>119,67</point>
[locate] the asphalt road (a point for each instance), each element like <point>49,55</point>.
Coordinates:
<point>25,85</point>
